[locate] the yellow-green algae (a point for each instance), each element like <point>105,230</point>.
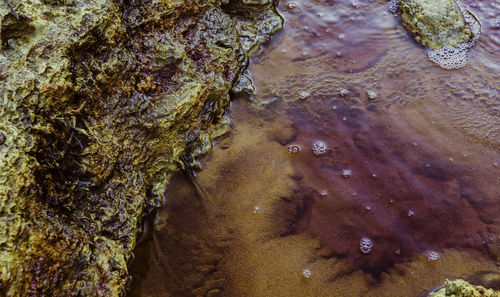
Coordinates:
<point>99,100</point>
<point>435,23</point>
<point>461,288</point>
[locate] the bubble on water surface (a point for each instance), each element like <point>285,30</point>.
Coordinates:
<point>304,94</point>
<point>393,6</point>
<point>341,36</point>
<point>319,148</point>
<point>432,256</point>
<point>291,5</point>
<point>293,149</point>
<point>344,92</point>
<point>372,95</point>
<point>256,209</point>
<point>346,173</point>
<point>411,213</point>
<point>365,245</point>
<point>324,193</point>
<point>307,273</point>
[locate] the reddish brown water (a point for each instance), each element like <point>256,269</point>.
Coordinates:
<point>422,158</point>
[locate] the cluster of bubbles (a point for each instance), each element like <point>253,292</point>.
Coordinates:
<point>372,95</point>
<point>393,6</point>
<point>307,273</point>
<point>344,92</point>
<point>319,148</point>
<point>449,57</point>
<point>293,149</point>
<point>432,256</point>
<point>346,173</point>
<point>304,95</point>
<point>365,245</point>
<point>291,5</point>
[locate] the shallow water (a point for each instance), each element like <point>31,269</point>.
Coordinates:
<point>404,196</point>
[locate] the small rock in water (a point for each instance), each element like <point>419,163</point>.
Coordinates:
<point>319,148</point>
<point>307,273</point>
<point>372,95</point>
<point>432,256</point>
<point>304,95</point>
<point>365,245</point>
<point>346,173</point>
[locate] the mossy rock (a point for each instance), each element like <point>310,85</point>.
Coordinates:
<point>435,23</point>
<point>99,101</point>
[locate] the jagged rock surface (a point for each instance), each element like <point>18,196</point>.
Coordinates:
<point>100,99</point>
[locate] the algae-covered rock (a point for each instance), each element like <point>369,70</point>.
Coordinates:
<point>461,288</point>
<point>436,23</point>
<point>99,100</point>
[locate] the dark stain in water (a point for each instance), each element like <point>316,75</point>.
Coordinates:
<point>376,184</point>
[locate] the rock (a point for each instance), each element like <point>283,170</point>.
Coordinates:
<point>461,288</point>
<point>102,99</point>
<point>435,23</point>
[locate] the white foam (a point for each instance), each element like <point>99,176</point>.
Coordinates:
<point>449,57</point>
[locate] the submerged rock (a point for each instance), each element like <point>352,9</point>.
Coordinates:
<point>436,23</point>
<point>461,288</point>
<point>99,101</point>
